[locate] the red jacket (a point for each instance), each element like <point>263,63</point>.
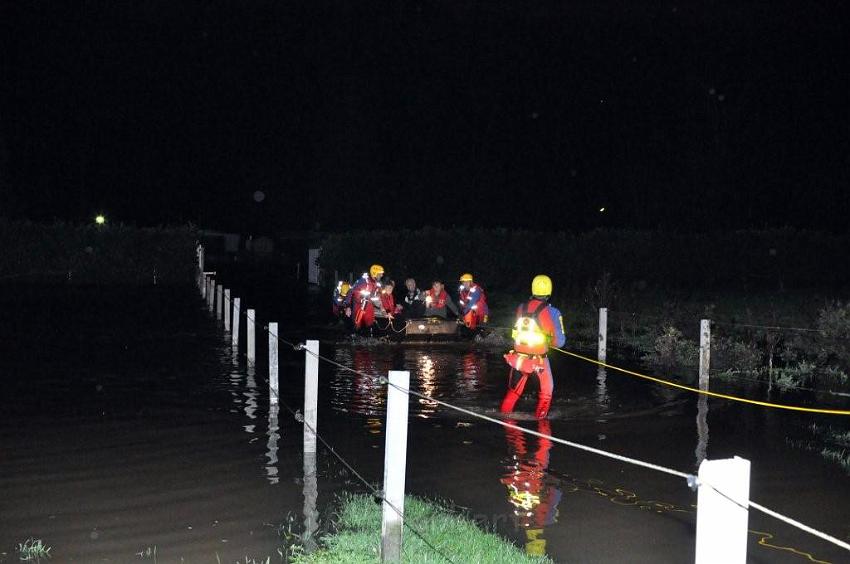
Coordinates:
<point>388,302</point>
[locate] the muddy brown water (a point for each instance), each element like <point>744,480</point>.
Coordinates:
<point>130,423</point>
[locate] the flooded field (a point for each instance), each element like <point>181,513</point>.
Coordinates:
<point>131,425</point>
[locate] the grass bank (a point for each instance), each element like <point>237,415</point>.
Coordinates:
<point>69,253</point>
<point>357,536</point>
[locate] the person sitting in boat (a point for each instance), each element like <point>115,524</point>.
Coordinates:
<point>364,297</point>
<point>438,302</point>
<point>413,302</point>
<point>473,303</point>
<point>389,309</point>
<point>340,292</point>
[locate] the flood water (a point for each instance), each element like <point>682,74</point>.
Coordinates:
<point>130,423</point>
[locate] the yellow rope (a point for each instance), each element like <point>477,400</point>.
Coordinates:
<point>706,392</point>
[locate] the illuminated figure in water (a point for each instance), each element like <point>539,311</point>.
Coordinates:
<point>538,327</point>
<point>535,499</point>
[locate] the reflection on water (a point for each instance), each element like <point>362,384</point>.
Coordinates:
<point>435,373</point>
<point>602,388</point>
<point>354,392</point>
<point>271,453</point>
<point>251,395</point>
<point>532,493</point>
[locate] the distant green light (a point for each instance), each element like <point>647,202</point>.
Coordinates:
<point>100,220</point>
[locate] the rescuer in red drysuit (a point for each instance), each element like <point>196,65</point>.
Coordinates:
<point>363,297</point>
<point>473,302</point>
<point>535,499</point>
<point>538,326</point>
<point>340,292</point>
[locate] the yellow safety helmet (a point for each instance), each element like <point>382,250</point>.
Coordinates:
<point>344,287</point>
<point>375,270</point>
<point>541,285</point>
<point>466,277</point>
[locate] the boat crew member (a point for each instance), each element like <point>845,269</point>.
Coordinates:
<point>473,302</point>
<point>364,297</point>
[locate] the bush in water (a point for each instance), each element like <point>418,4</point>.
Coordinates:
<point>96,254</point>
<point>503,259</point>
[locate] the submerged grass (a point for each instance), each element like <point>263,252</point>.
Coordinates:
<point>33,550</point>
<point>358,535</point>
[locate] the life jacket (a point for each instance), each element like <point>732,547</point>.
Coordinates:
<point>465,295</point>
<point>435,302</point>
<point>368,292</point>
<point>410,297</point>
<point>529,337</point>
<point>388,301</point>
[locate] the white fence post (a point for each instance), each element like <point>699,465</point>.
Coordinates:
<point>236,322</point>
<point>311,495</point>
<point>201,277</point>
<point>704,352</point>
<point>722,519</point>
<point>211,294</point>
<point>206,282</point>
<point>227,309</point>
<point>395,463</point>
<point>701,450</point>
<point>603,334</point>
<point>273,388</point>
<point>218,301</point>
<point>252,336</point>
<point>311,394</point>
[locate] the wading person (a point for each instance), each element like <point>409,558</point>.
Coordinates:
<point>538,326</point>
<point>364,297</point>
<point>472,302</point>
<point>438,302</point>
<point>340,292</point>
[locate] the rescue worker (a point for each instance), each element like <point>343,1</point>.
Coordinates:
<point>413,302</point>
<point>340,292</point>
<point>364,297</point>
<point>538,326</point>
<point>438,301</point>
<point>534,496</point>
<point>473,303</point>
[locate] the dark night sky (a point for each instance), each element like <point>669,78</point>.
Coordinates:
<point>694,115</point>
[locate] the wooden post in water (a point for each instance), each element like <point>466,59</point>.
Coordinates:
<point>311,394</point>
<point>228,307</point>
<point>201,277</point>
<point>395,463</point>
<point>603,334</point>
<point>252,335</point>
<point>206,282</point>
<point>211,294</point>
<point>218,301</point>
<point>236,322</point>
<point>722,518</point>
<point>704,352</point>
<point>273,387</point>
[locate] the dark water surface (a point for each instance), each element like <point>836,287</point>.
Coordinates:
<point>130,423</point>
